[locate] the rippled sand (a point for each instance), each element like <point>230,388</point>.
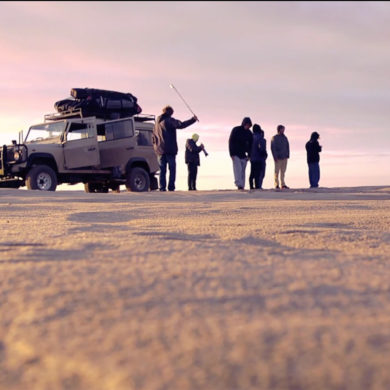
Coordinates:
<point>219,290</point>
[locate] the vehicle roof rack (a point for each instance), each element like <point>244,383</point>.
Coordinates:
<point>63,115</point>
<point>78,113</point>
<point>144,117</point>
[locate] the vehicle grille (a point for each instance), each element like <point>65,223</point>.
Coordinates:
<point>10,154</point>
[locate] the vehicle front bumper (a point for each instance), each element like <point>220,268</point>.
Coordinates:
<point>9,166</point>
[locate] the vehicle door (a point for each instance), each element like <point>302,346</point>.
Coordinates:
<point>117,144</point>
<point>81,145</point>
<point>144,132</point>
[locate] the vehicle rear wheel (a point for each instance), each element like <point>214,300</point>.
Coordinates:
<point>138,180</point>
<point>41,177</point>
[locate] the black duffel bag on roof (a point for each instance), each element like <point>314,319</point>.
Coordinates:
<point>66,105</point>
<point>83,93</point>
<point>100,103</point>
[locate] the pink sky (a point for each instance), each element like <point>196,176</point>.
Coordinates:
<point>321,66</point>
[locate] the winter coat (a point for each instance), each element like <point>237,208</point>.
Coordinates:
<point>192,152</point>
<point>313,150</point>
<point>280,147</point>
<point>164,134</point>
<point>259,148</point>
<point>240,142</point>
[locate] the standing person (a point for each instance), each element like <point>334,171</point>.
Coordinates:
<point>165,144</point>
<point>281,153</point>
<point>192,160</point>
<point>258,156</point>
<point>240,143</point>
<point>313,150</point>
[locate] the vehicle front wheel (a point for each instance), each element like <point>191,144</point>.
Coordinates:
<point>138,180</point>
<point>41,177</point>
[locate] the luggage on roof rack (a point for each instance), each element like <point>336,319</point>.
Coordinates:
<point>84,93</point>
<point>100,103</point>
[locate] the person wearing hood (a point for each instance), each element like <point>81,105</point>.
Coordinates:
<point>258,156</point>
<point>240,143</point>
<point>313,150</point>
<point>165,144</point>
<point>192,160</point>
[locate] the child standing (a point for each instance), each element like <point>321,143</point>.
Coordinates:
<point>192,160</point>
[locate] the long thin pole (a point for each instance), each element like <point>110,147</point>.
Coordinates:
<point>174,88</point>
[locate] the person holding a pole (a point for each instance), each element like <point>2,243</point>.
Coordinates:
<point>165,144</point>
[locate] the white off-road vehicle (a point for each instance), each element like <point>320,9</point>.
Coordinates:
<point>70,148</point>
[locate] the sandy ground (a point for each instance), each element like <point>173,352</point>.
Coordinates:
<point>219,290</point>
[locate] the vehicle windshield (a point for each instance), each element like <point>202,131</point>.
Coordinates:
<point>45,131</point>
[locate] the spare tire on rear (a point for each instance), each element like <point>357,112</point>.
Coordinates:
<point>137,180</point>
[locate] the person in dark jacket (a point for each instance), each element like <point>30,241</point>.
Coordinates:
<point>192,160</point>
<point>281,153</point>
<point>240,144</point>
<point>258,156</point>
<point>313,150</point>
<point>165,144</point>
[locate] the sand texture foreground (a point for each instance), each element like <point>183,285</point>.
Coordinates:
<point>219,290</point>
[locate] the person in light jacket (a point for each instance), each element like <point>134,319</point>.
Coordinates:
<point>281,153</point>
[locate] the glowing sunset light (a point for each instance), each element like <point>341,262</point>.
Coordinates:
<point>310,66</point>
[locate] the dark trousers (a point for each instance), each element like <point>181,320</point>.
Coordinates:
<point>257,174</point>
<point>314,174</point>
<point>192,173</point>
<point>163,161</point>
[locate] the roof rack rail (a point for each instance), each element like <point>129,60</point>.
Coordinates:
<point>144,117</point>
<point>62,115</point>
<point>78,113</point>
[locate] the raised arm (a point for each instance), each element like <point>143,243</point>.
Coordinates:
<point>182,125</point>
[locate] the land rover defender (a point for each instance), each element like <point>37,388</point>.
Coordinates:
<point>69,148</point>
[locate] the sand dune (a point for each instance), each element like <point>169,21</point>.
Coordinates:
<point>219,290</point>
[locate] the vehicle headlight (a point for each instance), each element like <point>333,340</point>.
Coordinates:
<point>17,155</point>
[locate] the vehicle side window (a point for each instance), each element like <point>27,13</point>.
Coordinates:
<point>115,130</point>
<point>79,131</point>
<point>144,138</point>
